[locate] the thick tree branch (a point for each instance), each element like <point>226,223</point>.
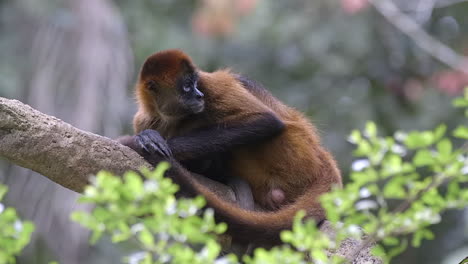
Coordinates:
<point>63,153</point>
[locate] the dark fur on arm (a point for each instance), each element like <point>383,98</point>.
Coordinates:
<point>223,138</point>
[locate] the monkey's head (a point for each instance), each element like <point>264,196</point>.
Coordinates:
<point>168,84</point>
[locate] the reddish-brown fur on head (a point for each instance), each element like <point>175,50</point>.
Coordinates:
<point>165,67</point>
<point>159,77</point>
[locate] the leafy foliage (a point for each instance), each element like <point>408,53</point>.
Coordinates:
<point>146,211</point>
<point>400,185</point>
<point>14,233</point>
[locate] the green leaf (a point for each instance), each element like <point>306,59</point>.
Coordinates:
<point>355,137</point>
<point>444,148</point>
<point>394,188</point>
<point>161,168</point>
<point>95,236</point>
<point>423,158</point>
<point>287,236</point>
<point>371,129</point>
<point>460,102</point>
<point>397,250</point>
<point>3,191</point>
<point>133,185</point>
<point>439,132</point>
<point>390,241</point>
<point>146,238</point>
<point>378,251</point>
<point>394,161</point>
<point>364,148</point>
<point>461,132</point>
<point>221,228</point>
<point>432,198</point>
<point>453,190</point>
<point>419,235</point>
<point>319,256</point>
<point>419,139</point>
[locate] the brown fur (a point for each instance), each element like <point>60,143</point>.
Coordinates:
<point>293,162</point>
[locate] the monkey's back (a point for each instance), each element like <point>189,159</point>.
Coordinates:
<point>292,161</point>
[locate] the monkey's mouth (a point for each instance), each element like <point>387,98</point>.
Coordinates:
<point>197,108</point>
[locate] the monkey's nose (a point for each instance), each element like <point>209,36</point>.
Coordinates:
<point>199,94</point>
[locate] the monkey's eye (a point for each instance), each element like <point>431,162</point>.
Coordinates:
<point>152,85</point>
<point>187,88</point>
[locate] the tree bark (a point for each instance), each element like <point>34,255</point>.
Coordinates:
<point>69,156</point>
<point>64,154</point>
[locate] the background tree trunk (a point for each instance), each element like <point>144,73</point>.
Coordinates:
<point>77,62</point>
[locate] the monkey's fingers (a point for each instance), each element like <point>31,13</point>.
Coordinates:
<point>157,139</point>
<point>141,142</point>
<point>164,148</point>
<point>148,146</point>
<point>152,142</point>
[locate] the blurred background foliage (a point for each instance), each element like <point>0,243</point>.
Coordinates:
<point>339,61</point>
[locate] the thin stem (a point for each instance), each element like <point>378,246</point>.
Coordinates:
<point>405,205</point>
<point>420,37</point>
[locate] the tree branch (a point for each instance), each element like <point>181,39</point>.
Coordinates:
<point>64,154</point>
<point>421,38</point>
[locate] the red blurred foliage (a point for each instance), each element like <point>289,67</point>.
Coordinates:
<point>354,6</point>
<point>218,17</point>
<point>244,7</point>
<point>451,82</point>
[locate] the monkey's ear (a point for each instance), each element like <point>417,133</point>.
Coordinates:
<point>152,85</point>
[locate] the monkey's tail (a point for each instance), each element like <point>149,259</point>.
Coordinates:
<point>253,226</point>
<point>263,227</point>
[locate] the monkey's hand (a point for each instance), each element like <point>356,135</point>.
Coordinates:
<point>153,145</point>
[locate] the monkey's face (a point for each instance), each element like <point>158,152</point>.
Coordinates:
<point>177,99</point>
<point>190,98</point>
<point>171,84</point>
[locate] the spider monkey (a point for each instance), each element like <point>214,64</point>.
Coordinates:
<point>186,114</point>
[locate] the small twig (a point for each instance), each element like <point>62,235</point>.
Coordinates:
<point>365,244</point>
<point>447,3</point>
<point>465,147</point>
<point>405,205</point>
<point>421,38</point>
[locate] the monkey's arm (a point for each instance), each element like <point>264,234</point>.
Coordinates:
<point>222,138</point>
